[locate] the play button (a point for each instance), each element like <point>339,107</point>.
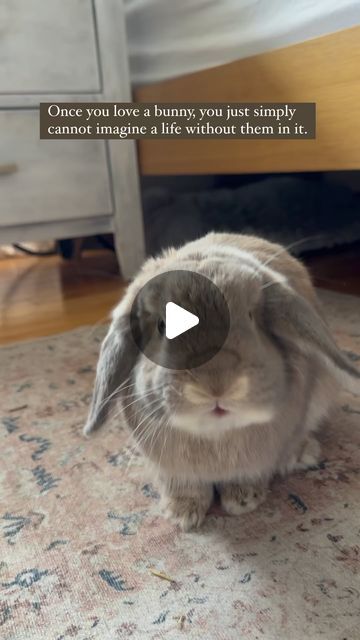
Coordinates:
<point>180,319</point>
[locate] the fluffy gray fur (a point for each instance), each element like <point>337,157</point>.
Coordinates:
<point>277,375</point>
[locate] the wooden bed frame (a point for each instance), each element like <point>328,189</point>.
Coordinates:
<point>325,70</point>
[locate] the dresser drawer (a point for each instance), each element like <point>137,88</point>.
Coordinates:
<point>54,180</point>
<point>48,46</point>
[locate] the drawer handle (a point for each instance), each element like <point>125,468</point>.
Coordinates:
<point>8,169</point>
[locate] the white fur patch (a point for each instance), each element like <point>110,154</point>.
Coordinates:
<point>198,396</point>
<point>239,389</point>
<point>207,425</point>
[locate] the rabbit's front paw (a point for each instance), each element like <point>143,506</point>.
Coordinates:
<point>188,512</point>
<point>309,455</point>
<point>237,499</point>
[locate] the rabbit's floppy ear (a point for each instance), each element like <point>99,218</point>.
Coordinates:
<point>118,352</point>
<point>292,318</point>
<point>117,358</point>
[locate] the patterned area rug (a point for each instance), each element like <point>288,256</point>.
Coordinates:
<point>85,554</point>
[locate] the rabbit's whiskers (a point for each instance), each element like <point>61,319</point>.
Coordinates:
<point>147,431</point>
<point>137,401</point>
<point>112,395</point>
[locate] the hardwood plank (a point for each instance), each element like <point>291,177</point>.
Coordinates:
<point>325,70</point>
<point>43,296</point>
<point>336,269</point>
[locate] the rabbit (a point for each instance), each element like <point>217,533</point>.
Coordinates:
<point>252,411</point>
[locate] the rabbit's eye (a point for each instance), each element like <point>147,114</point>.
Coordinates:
<point>161,326</point>
<point>251,315</point>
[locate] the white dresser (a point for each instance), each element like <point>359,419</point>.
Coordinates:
<point>72,51</point>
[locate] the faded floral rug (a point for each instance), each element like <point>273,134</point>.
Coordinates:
<point>85,553</point>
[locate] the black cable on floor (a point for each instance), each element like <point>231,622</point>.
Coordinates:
<point>30,252</point>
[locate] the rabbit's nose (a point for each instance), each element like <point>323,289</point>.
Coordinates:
<point>219,411</point>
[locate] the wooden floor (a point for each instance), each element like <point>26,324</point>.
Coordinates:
<point>43,296</point>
